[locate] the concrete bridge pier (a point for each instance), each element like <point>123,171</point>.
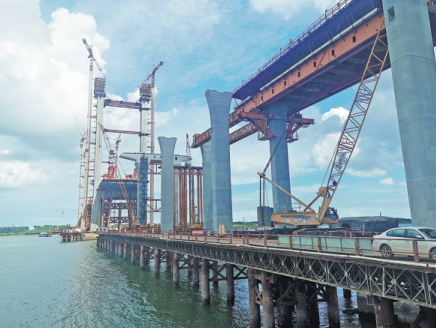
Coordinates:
<point>125,251</point>
<point>414,79</point>
<point>302,312</point>
<point>253,290</point>
<point>205,288</point>
<point>230,283</point>
<point>384,312</point>
<point>167,146</point>
<point>175,265</point>
<point>333,306</point>
<point>141,257</point>
<point>120,249</point>
<point>147,254</point>
<point>132,253</point>
<point>156,262</point>
<point>206,154</point>
<point>267,301</point>
<point>346,293</point>
<point>219,108</point>
<point>312,304</point>
<point>195,271</point>
<point>215,273</point>
<point>280,160</point>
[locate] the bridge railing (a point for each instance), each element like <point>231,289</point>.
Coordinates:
<point>356,246</point>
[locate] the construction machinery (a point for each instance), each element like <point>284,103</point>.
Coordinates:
<point>344,149</point>
<point>120,181</point>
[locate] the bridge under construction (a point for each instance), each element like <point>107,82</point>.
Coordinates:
<point>351,44</point>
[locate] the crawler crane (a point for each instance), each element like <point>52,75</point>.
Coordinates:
<point>308,218</point>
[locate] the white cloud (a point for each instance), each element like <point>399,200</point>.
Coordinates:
<point>133,96</point>
<point>162,118</point>
<point>387,181</point>
<point>290,8</point>
<point>323,150</point>
<point>5,151</point>
<point>341,112</point>
<point>403,183</point>
<point>17,174</point>
<point>366,174</point>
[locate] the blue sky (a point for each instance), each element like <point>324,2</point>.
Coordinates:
<point>206,44</point>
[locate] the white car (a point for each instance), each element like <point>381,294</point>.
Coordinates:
<point>399,241</point>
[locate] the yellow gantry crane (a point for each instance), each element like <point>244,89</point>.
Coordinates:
<point>345,146</point>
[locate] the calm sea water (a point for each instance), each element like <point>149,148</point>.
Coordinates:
<point>46,283</point>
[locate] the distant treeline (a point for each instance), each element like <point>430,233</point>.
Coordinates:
<point>26,231</point>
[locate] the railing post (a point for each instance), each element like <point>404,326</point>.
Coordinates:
<point>230,238</point>
<point>290,242</point>
<point>415,251</point>
<point>218,238</point>
<point>180,236</point>
<point>205,237</point>
<point>319,244</point>
<point>264,241</point>
<point>196,237</point>
<point>248,238</point>
<point>189,237</point>
<point>357,246</point>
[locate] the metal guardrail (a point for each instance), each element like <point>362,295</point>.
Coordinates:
<point>356,246</point>
<point>341,5</point>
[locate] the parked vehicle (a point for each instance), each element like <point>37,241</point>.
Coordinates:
<point>400,241</point>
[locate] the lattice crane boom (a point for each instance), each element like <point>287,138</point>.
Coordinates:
<point>91,55</point>
<point>356,117</point>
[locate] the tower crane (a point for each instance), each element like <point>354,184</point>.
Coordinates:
<point>345,146</point>
<point>152,74</point>
<point>152,168</point>
<point>91,56</point>
<point>84,221</point>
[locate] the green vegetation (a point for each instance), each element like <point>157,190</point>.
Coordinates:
<point>240,224</point>
<point>15,231</point>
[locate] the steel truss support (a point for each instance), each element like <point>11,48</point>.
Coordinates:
<point>408,282</point>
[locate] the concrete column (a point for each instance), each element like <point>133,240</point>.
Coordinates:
<point>313,308</point>
<point>280,160</point>
<point>414,78</point>
<point>205,288</point>
<point>141,257</point>
<point>285,312</point>
<point>384,312</point>
<point>206,154</point>
<point>333,306</point>
<point>346,293</point>
<point>147,254</point>
<point>120,249</point>
<point>167,182</point>
<point>302,313</point>
<point>267,302</point>
<point>215,270</point>
<point>230,283</point>
<point>175,270</point>
<point>252,295</point>
<point>219,107</point>
<point>132,253</point>
<point>195,273</point>
<point>125,251</point>
<point>99,94</point>
<point>426,317</point>
<point>156,262</point>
